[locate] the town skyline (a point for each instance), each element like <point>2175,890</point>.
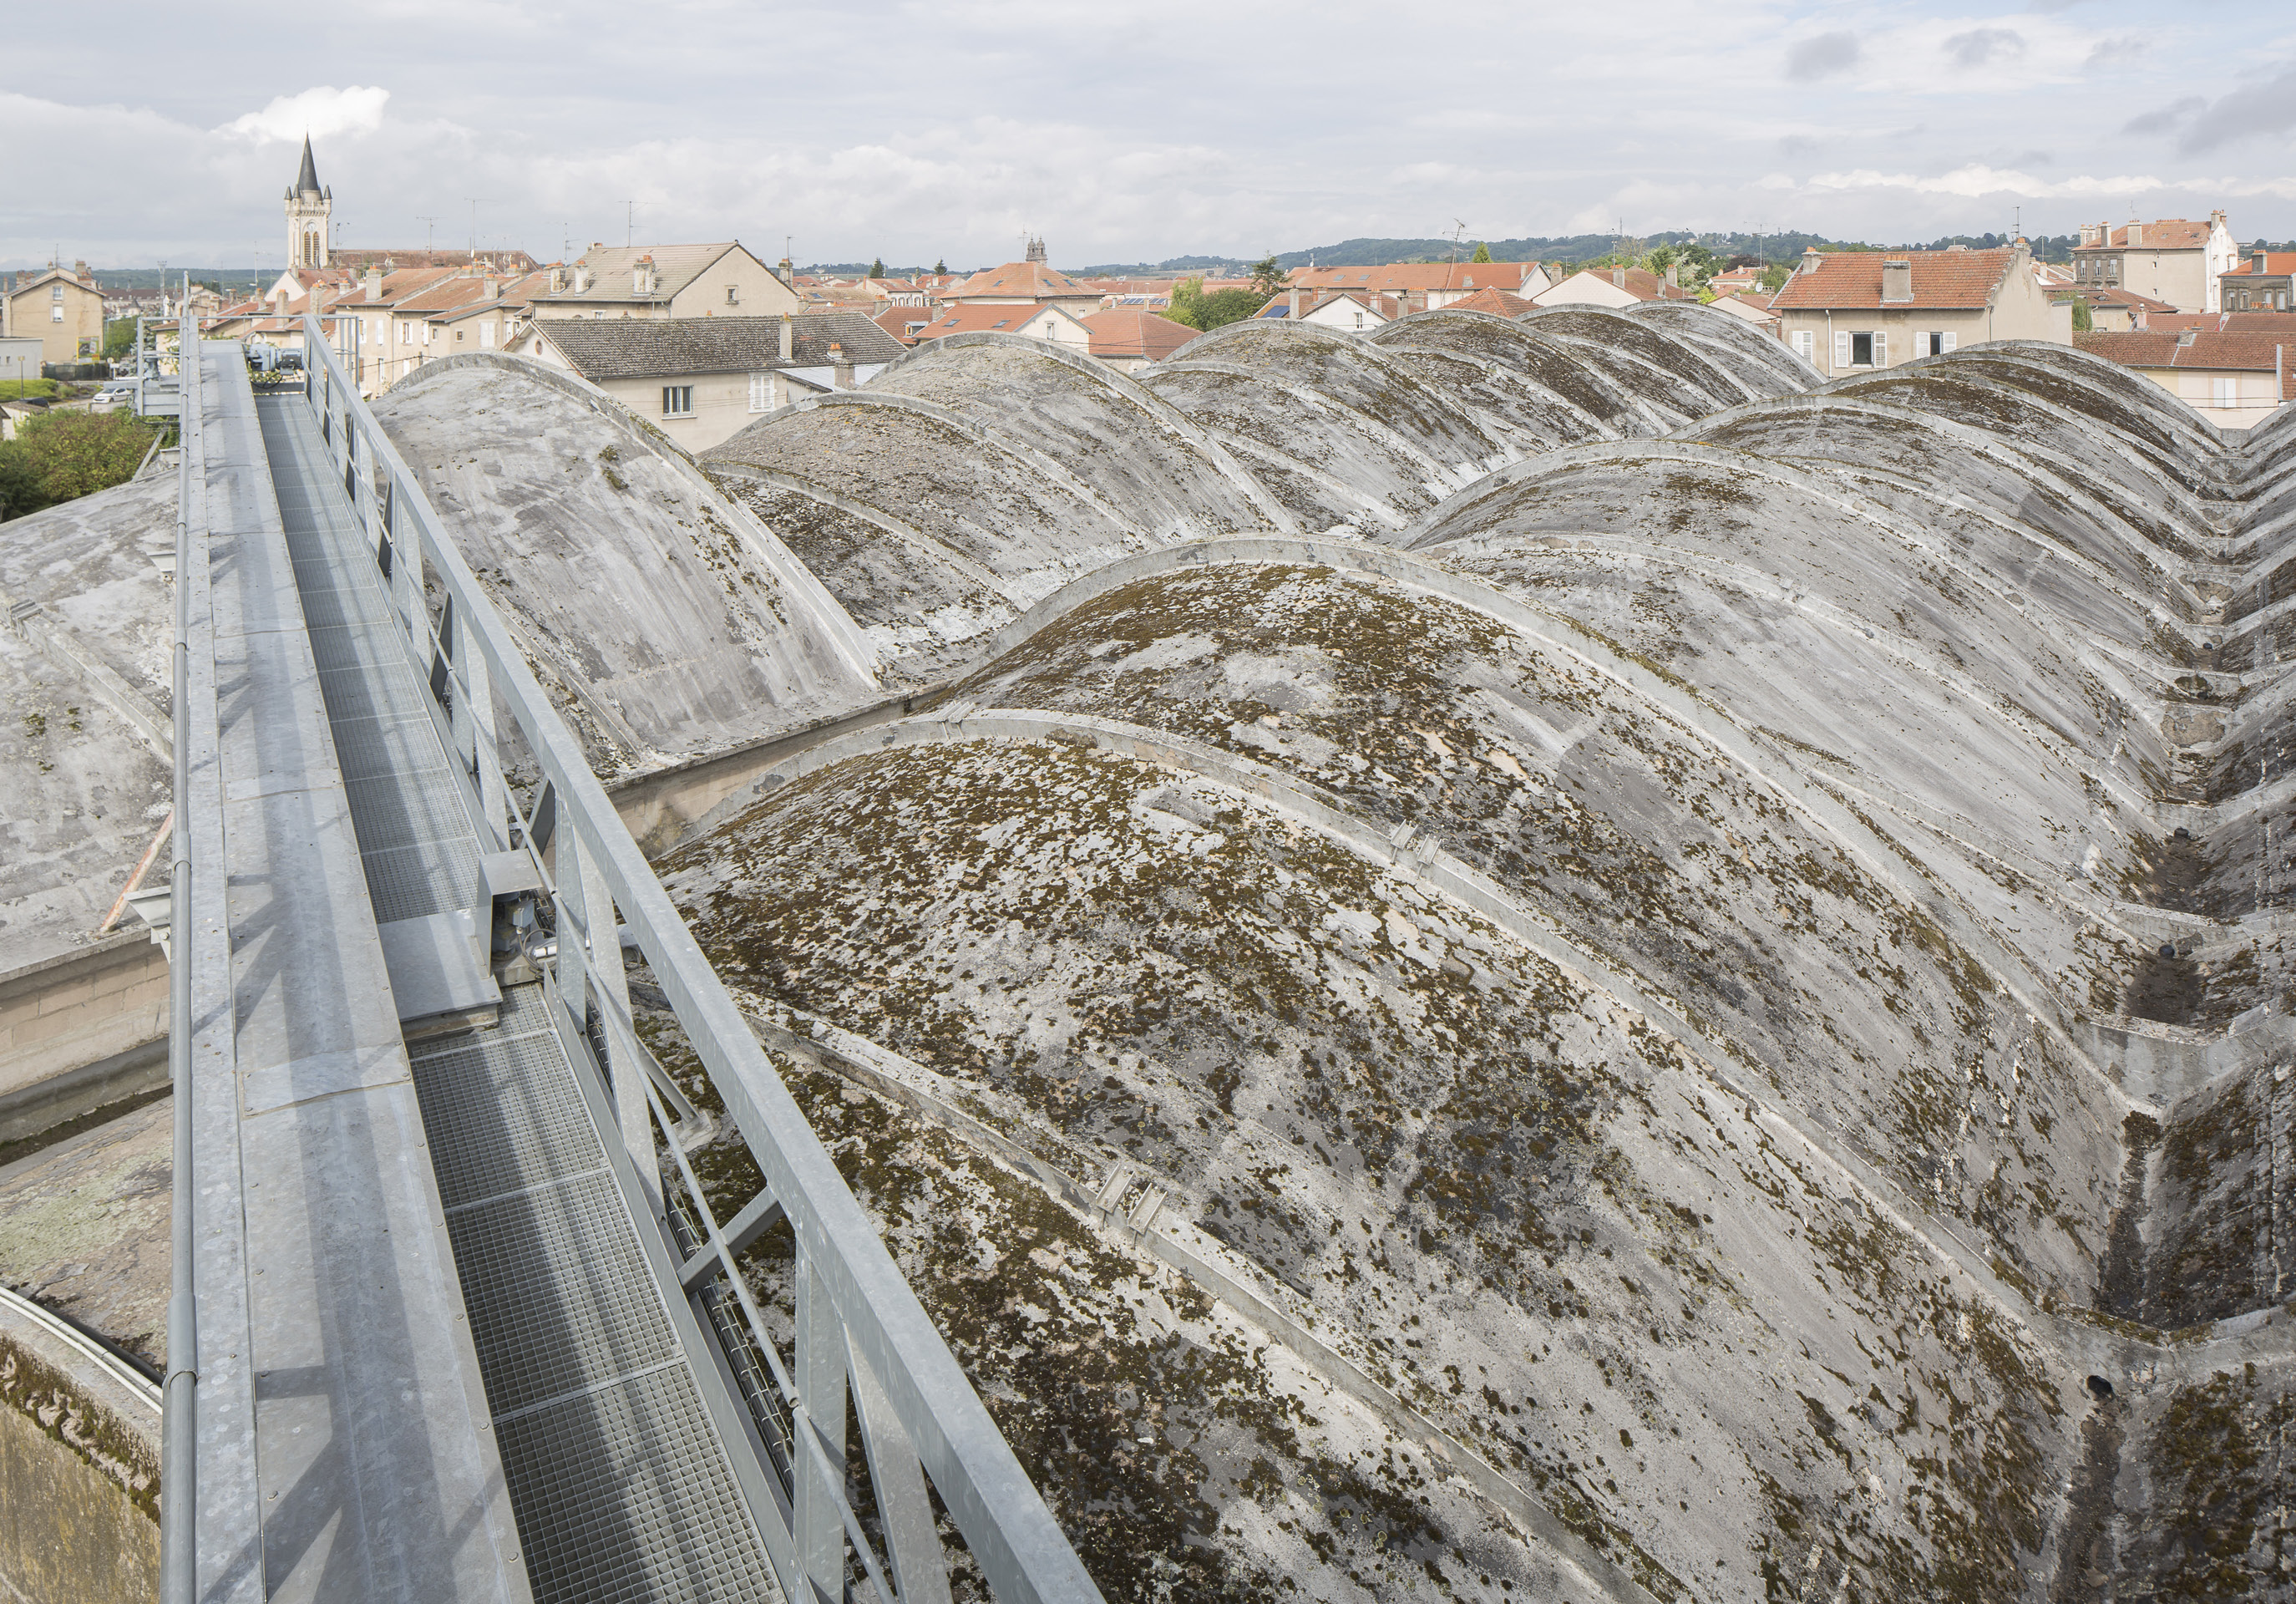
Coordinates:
<point>961,131</point>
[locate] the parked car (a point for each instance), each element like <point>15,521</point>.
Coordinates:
<point>111,398</point>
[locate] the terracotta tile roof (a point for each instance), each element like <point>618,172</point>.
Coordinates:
<point>987,318</point>
<point>2280,325</point>
<point>646,347</point>
<point>1941,279</point>
<point>903,323</point>
<point>1032,279</point>
<point>2190,349</point>
<point>1398,276</point>
<point>2274,261</point>
<point>611,266</point>
<point>1498,303</point>
<point>1389,307</point>
<point>1640,282</point>
<point>2161,233</point>
<point>1128,332</point>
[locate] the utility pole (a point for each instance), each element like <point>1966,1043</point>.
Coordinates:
<point>430,235</point>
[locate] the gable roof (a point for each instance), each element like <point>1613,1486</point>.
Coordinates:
<point>1640,282</point>
<point>612,268</point>
<point>18,284</point>
<point>1498,303</point>
<point>1033,279</point>
<point>647,348</point>
<point>1128,332</point>
<point>903,323</point>
<point>1941,280</point>
<point>2274,261</point>
<point>989,318</point>
<point>2161,233</point>
<point>2188,348</point>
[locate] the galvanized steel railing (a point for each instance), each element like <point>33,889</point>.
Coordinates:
<point>860,1333</point>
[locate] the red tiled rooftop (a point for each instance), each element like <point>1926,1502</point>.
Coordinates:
<point>1941,279</point>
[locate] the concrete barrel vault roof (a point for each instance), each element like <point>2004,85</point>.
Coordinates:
<point>670,621</point>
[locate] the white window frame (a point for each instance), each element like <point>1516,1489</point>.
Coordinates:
<point>56,312</point>
<point>2228,391</point>
<point>487,335</point>
<point>1841,351</point>
<point>678,400</point>
<point>1805,344</point>
<point>761,392</point>
<point>1950,337</point>
<point>1881,349</point>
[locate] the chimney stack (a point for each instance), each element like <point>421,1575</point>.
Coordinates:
<point>1295,303</point>
<point>786,272</point>
<point>374,282</point>
<point>841,370</point>
<point>1897,281</point>
<point>789,332</point>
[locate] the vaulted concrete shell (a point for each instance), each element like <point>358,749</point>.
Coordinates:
<point>1735,980</point>
<point>664,620</point>
<point>975,476</point>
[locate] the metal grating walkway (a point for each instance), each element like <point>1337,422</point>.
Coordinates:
<point>621,1488</point>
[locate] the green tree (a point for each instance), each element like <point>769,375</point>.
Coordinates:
<point>1775,277</point>
<point>877,269</point>
<point>67,455</point>
<point>941,266</point>
<point>1191,306</point>
<point>120,337</point>
<point>1268,279</point>
<point>2083,321</point>
<point>1482,253</point>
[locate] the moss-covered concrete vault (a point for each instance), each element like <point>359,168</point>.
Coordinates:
<point>1719,998</point>
<point>664,619</point>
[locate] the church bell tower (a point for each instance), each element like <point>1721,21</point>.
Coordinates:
<point>308,210</point>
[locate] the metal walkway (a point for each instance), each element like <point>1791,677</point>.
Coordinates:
<point>620,1485</point>
<point>453,1319</point>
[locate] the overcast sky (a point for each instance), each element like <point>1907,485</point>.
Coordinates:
<point>1129,133</point>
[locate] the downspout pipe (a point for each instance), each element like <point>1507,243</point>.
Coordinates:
<point>179,1393</point>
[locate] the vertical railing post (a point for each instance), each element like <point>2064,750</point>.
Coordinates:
<point>601,926</point>
<point>485,749</point>
<point>820,1475</point>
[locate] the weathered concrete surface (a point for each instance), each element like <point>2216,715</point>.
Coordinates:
<point>80,1006</point>
<point>79,1472</point>
<point>80,791</point>
<point>1693,980</point>
<point>664,621</point>
<point>975,476</point>
<point>84,1228</point>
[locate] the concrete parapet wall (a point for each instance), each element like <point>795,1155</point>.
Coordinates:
<point>82,1008</point>
<point>79,1472</point>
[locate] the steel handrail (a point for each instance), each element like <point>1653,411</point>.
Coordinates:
<point>1021,1551</point>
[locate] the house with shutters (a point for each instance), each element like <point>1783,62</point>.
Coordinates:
<point>702,380</point>
<point>1853,312</point>
<point>1038,320</point>
<point>719,280</point>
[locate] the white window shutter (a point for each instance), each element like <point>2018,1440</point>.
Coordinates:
<point>1841,348</point>
<point>1948,339</point>
<point>1881,349</point>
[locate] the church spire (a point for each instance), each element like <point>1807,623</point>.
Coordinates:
<point>306,182</point>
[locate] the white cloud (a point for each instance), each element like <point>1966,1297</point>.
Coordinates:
<point>321,113</point>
